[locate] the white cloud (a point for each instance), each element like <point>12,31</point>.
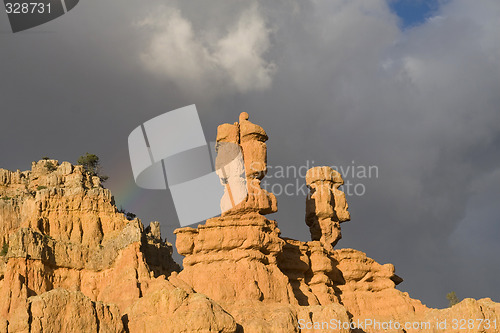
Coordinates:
<point>240,53</point>
<point>174,49</point>
<point>234,61</point>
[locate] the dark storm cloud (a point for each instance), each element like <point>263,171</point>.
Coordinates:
<point>331,82</point>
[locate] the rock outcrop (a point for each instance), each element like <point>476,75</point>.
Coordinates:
<point>250,139</point>
<point>70,261</point>
<point>274,284</point>
<point>326,206</point>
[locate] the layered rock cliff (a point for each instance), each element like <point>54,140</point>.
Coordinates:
<point>274,284</point>
<point>72,262</point>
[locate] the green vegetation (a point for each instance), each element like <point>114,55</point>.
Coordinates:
<point>452,298</point>
<point>46,238</point>
<point>40,187</point>
<point>6,198</point>
<point>51,166</point>
<point>5,249</point>
<point>130,216</point>
<point>90,163</point>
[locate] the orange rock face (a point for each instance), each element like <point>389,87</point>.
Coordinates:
<point>241,252</point>
<point>273,284</point>
<point>250,140</point>
<point>326,206</point>
<point>74,263</point>
<point>71,262</point>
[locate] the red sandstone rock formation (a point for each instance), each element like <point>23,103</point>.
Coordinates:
<point>74,263</point>
<point>274,284</point>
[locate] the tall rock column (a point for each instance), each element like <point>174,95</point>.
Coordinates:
<point>249,139</point>
<point>326,205</point>
<point>239,249</point>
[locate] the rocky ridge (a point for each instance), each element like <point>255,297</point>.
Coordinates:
<point>274,284</point>
<point>72,262</point>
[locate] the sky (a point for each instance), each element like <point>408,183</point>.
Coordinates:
<point>414,12</point>
<point>401,96</point>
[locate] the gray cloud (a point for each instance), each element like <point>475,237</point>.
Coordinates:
<point>330,81</point>
<point>206,63</point>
